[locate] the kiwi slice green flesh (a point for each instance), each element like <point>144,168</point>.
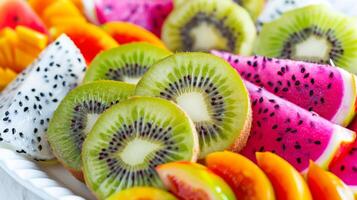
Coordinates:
<point>254,7</point>
<point>210,91</point>
<point>125,63</point>
<point>130,139</point>
<point>313,33</point>
<point>76,114</point>
<point>203,25</point>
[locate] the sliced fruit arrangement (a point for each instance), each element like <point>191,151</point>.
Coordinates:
<point>76,115</point>
<point>314,87</point>
<point>291,132</point>
<point>126,32</point>
<point>7,75</point>
<point>20,47</point>
<point>57,12</point>
<point>89,38</point>
<point>243,176</point>
<point>147,14</point>
<point>142,193</point>
<point>287,182</point>
<point>17,12</point>
<point>325,185</point>
<point>27,104</point>
<point>125,63</point>
<point>254,7</point>
<point>133,137</point>
<point>307,34</point>
<point>203,25</point>
<point>194,181</point>
<point>210,91</point>
<point>346,167</point>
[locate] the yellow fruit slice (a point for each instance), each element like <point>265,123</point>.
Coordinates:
<point>325,185</point>
<point>242,175</point>
<point>288,183</point>
<point>31,37</point>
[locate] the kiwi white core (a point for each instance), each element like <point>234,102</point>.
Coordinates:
<point>91,119</point>
<point>132,80</point>
<point>313,47</point>
<point>206,36</point>
<point>195,106</point>
<point>137,150</point>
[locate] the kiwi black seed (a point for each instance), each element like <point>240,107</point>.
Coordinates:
<point>77,113</point>
<point>210,91</point>
<point>125,63</point>
<point>203,25</point>
<point>130,139</point>
<point>314,33</point>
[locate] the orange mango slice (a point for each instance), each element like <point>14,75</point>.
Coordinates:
<point>246,179</point>
<point>142,193</point>
<point>287,182</point>
<point>6,76</point>
<point>325,185</point>
<point>31,38</point>
<point>125,32</point>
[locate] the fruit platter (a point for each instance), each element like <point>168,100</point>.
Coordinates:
<point>179,99</point>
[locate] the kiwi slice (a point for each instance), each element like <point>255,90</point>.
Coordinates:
<point>130,139</point>
<point>315,34</point>
<point>125,63</point>
<point>210,91</point>
<point>254,7</point>
<point>75,116</point>
<point>203,25</point>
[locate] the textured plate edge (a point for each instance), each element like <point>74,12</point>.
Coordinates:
<point>50,191</point>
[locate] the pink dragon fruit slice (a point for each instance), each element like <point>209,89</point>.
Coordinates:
<point>329,91</point>
<point>346,168</point>
<point>292,132</point>
<point>27,104</point>
<point>148,14</point>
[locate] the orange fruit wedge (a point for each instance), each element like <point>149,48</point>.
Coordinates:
<point>245,178</point>
<point>125,32</point>
<point>325,185</point>
<point>287,182</point>
<point>6,76</point>
<point>89,38</point>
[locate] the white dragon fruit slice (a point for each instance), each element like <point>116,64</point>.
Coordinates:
<point>27,104</point>
<point>275,8</point>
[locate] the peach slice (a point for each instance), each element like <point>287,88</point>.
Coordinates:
<point>246,179</point>
<point>325,185</point>
<point>194,181</point>
<point>287,182</point>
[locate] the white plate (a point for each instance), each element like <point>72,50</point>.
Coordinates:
<point>48,181</point>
